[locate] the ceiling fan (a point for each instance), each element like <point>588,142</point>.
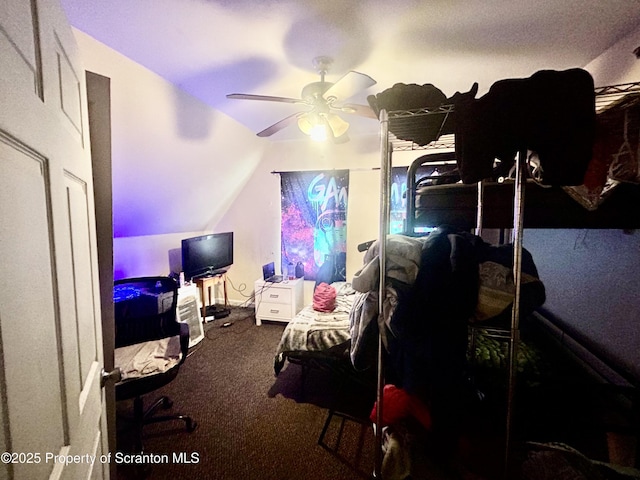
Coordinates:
<point>323,98</point>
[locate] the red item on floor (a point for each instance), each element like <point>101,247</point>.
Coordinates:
<point>398,404</point>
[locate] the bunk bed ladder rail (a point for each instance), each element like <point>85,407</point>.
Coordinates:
<point>514,332</point>
<point>512,336</point>
<point>480,208</point>
<point>385,207</point>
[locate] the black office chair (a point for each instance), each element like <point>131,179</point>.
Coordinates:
<point>145,320</point>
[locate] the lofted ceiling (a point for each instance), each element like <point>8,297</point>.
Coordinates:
<point>211,48</point>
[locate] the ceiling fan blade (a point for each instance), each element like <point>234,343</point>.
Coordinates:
<point>355,109</point>
<point>276,127</point>
<point>348,85</point>
<point>266,98</point>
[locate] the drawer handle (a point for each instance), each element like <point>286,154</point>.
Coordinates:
<point>274,311</point>
<point>274,295</point>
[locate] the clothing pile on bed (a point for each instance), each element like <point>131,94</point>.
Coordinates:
<point>435,285</point>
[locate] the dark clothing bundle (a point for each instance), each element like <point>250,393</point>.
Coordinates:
<point>428,342</point>
<point>550,114</point>
<point>427,332</point>
<point>422,129</point>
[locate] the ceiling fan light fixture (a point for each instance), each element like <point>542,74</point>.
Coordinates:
<point>337,125</point>
<point>319,133</point>
<point>321,98</point>
<point>308,122</point>
<point>317,125</point>
<point>313,125</point>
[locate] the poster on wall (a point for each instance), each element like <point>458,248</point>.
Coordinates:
<point>314,222</point>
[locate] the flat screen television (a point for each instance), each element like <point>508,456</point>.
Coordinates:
<point>207,255</point>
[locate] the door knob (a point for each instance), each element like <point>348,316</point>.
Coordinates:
<point>113,376</point>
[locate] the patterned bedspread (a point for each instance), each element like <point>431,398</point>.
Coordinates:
<point>311,330</point>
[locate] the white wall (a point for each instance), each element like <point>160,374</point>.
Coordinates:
<point>618,64</point>
<point>178,167</point>
<point>181,168</point>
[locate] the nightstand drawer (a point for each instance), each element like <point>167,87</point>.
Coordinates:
<point>274,310</point>
<point>276,295</point>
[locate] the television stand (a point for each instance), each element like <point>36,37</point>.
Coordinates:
<point>206,285</point>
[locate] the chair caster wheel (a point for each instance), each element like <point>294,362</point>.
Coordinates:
<point>167,403</point>
<point>191,425</point>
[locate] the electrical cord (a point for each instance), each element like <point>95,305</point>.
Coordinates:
<point>212,332</point>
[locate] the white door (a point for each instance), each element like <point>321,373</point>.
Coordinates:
<point>51,404</point>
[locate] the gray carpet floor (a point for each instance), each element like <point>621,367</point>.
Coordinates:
<point>253,425</point>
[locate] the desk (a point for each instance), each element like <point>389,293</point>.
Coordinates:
<point>206,285</point>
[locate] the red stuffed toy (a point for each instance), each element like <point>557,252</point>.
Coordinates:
<point>399,404</point>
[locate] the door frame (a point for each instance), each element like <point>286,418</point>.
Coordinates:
<point>99,112</point>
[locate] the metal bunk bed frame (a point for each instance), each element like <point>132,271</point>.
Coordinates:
<point>402,123</point>
<point>387,147</point>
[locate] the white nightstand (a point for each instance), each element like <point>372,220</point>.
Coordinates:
<point>278,302</point>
